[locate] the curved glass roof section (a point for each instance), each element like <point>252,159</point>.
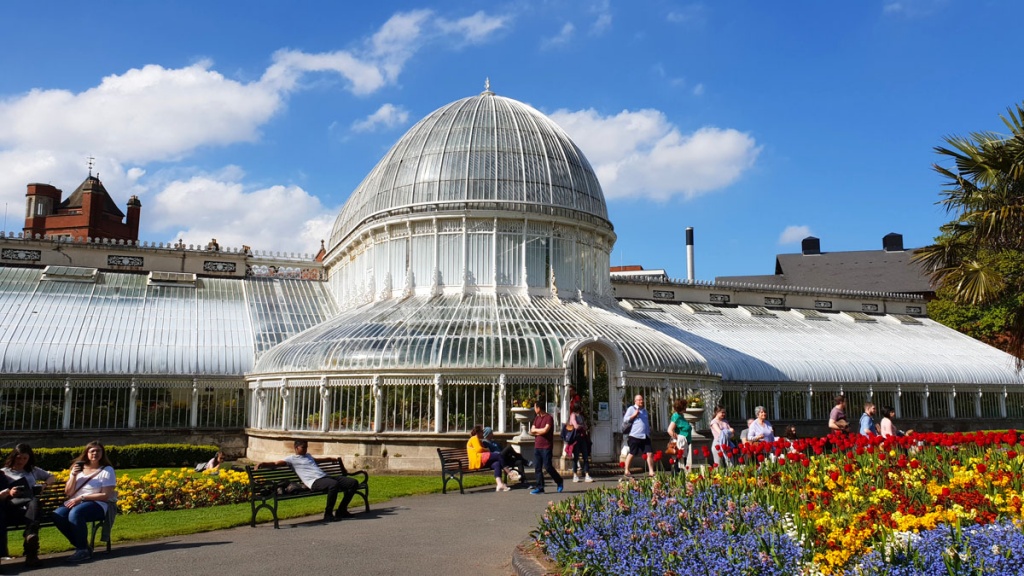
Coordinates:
<point>122,325</point>
<point>486,152</point>
<point>786,346</point>
<point>481,331</point>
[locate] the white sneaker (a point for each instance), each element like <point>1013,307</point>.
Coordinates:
<point>588,478</point>
<point>575,478</point>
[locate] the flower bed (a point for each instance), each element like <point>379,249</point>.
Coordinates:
<point>930,503</point>
<point>176,490</point>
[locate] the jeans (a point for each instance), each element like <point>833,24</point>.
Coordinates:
<point>581,451</point>
<point>73,523</point>
<point>332,485</point>
<point>494,461</point>
<point>542,462</point>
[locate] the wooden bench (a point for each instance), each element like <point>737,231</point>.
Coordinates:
<point>270,485</point>
<point>455,465</point>
<point>51,498</point>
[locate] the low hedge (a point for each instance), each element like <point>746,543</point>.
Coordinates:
<point>129,456</point>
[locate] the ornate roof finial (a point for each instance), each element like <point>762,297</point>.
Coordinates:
<point>487,86</point>
<point>91,162</point>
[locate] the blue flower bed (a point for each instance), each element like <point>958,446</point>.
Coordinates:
<point>645,529</point>
<point>996,549</point>
<point>671,529</point>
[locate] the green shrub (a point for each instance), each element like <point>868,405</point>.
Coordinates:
<point>130,456</point>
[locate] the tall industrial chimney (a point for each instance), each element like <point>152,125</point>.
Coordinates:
<point>689,253</point>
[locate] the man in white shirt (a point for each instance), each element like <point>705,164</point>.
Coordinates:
<point>317,480</point>
<point>638,435</point>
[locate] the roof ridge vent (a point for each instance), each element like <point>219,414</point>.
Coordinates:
<point>71,274</point>
<point>860,317</point>
<point>701,308</point>
<point>809,314</point>
<point>159,278</point>
<point>759,311</point>
<point>907,319</point>
<point>645,305</point>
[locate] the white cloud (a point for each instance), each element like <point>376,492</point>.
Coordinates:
<point>695,14</point>
<point>563,37</point>
<point>219,206</point>
<point>387,116</point>
<point>159,114</point>
<point>913,8</point>
<point>603,17</point>
<point>698,90</point>
<point>476,28</point>
<point>794,234</point>
<point>642,155</point>
<point>143,115</point>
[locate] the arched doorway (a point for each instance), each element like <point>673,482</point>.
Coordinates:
<point>590,368</point>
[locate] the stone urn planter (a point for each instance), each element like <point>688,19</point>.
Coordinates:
<point>524,417</point>
<point>693,415</point>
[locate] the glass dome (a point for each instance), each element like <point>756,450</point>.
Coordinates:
<point>485,152</point>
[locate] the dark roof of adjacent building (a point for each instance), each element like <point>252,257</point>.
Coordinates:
<point>93,185</point>
<point>870,270</point>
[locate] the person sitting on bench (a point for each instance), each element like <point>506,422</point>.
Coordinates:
<point>479,457</point>
<point>315,479</point>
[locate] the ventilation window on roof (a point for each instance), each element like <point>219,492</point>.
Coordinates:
<point>861,317</point>
<point>759,311</point>
<point>907,319</point>
<point>71,274</point>
<point>171,279</point>
<point>641,305</point>
<point>700,308</point>
<point>810,314</point>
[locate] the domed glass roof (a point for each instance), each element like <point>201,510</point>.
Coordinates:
<point>484,152</point>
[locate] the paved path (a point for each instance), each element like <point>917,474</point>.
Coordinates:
<point>433,535</point>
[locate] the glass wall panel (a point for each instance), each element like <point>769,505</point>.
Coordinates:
<point>911,403</point>
<point>938,404</point>
<point>32,405</point>
<point>398,261</point>
<point>409,408</point>
<point>479,259</point>
<point>449,259</point>
<point>510,260</point>
<point>468,404</point>
<point>538,261</point>
<point>990,405</point>
<point>423,260</point>
<point>565,263</point>
<point>964,405</point>
<point>792,405</point>
<point>1015,405</point>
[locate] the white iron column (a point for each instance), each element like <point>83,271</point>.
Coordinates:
<point>194,413</point>
<point>325,405</point>
<point>133,408</point>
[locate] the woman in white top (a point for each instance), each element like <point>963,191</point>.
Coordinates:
<point>89,489</point>
<point>721,435</point>
<point>18,501</point>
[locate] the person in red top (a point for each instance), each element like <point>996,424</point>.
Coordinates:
<point>543,430</point>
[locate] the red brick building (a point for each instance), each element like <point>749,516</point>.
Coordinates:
<point>89,212</point>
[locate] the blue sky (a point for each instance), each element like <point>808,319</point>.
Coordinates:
<point>757,123</point>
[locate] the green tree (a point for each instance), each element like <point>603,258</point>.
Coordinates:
<point>976,260</point>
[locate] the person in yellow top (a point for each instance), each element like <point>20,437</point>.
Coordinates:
<point>478,457</point>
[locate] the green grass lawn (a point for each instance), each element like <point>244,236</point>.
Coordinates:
<point>152,525</point>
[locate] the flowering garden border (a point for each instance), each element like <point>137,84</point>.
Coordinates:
<point>927,503</point>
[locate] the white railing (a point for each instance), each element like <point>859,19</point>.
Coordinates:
<point>33,405</point>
